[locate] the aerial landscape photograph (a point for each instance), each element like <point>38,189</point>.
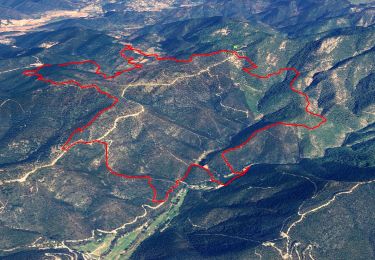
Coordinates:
<point>187,129</point>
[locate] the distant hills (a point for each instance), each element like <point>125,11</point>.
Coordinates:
<point>308,195</point>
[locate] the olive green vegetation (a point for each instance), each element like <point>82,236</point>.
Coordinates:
<point>101,245</point>
<point>126,245</point>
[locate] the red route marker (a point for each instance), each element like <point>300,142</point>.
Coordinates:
<point>131,61</point>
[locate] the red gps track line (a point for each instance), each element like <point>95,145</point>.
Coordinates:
<point>135,65</point>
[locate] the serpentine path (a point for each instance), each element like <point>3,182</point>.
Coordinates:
<point>134,66</point>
